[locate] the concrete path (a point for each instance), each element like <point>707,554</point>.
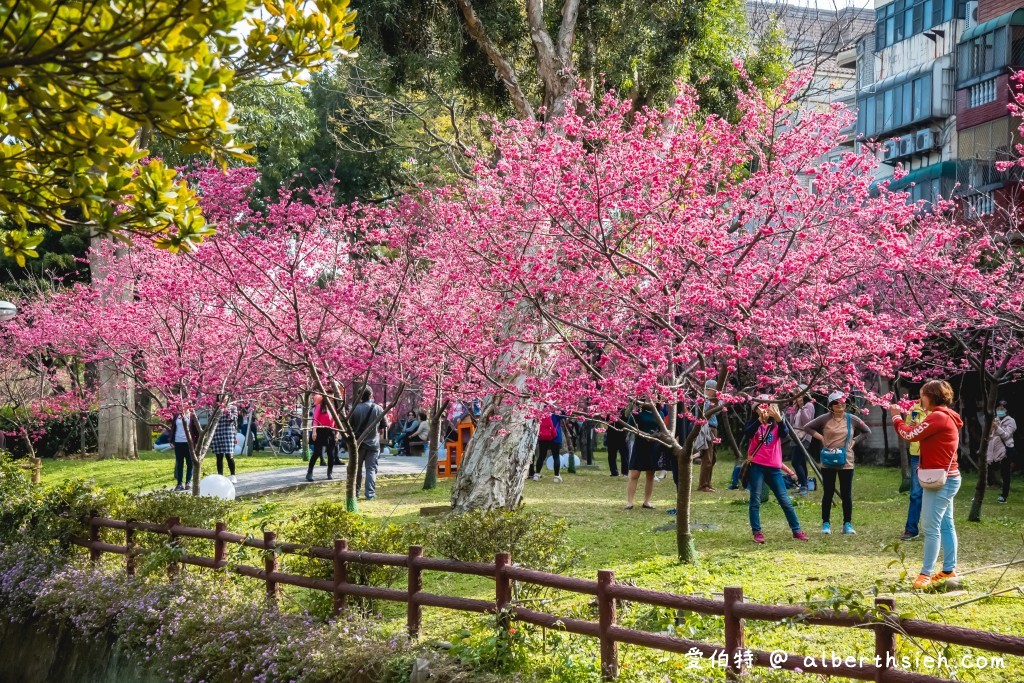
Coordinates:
<point>289,478</point>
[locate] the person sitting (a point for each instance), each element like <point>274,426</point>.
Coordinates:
<point>419,438</point>
<point>409,428</point>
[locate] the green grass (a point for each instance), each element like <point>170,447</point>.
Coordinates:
<point>152,470</point>
<point>783,570</point>
<point>631,544</point>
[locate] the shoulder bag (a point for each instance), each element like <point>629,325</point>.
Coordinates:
<point>835,458</point>
<point>933,480</point>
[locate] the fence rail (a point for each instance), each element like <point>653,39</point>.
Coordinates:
<point>731,655</point>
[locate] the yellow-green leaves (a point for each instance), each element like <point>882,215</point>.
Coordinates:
<point>86,83</point>
<point>20,244</point>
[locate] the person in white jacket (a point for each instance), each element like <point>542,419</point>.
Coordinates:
<point>1001,448</point>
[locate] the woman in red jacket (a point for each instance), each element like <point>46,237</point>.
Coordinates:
<point>939,436</point>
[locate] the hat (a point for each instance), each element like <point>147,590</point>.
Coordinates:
<point>836,396</point>
<point>711,384</point>
<point>801,388</point>
<point>1002,402</point>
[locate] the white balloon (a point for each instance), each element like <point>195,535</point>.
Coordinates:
<point>239,442</point>
<point>217,486</point>
<point>563,461</point>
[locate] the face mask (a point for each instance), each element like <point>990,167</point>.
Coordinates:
<point>1000,413</point>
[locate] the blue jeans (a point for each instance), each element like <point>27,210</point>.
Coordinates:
<point>367,458</point>
<point>937,520</point>
<point>914,512</point>
<point>772,476</point>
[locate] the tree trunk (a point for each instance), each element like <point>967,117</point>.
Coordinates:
<point>495,465</point>
<point>115,388</point>
<point>351,504</point>
<point>143,415</point>
<point>433,444</point>
<point>684,537</point>
<point>990,390</point>
<point>304,438</point>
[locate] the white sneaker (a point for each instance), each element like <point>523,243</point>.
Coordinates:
<point>233,479</point>
<point>557,480</point>
<point>536,477</point>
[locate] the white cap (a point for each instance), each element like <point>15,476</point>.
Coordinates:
<point>835,396</point>
<point>801,388</point>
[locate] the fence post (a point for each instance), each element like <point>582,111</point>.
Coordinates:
<point>270,564</point>
<point>606,620</point>
<point>94,538</point>
<point>415,586</point>
<point>37,470</point>
<point>502,589</point>
<point>129,548</point>
<point>220,546</point>
<point>172,540</point>
<point>733,634</point>
<point>340,574</point>
<point>885,638</point>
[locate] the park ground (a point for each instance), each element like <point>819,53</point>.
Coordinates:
<point>639,545</point>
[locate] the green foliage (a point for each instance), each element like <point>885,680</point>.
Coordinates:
<point>60,514</point>
<point>55,434</point>
<point>535,540</point>
<point>494,645</point>
<point>87,83</point>
<point>320,524</point>
<point>17,496</point>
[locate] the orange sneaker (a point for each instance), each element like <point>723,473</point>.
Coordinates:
<point>922,581</point>
<point>945,576</point>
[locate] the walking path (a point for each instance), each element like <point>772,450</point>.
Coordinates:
<point>289,478</point>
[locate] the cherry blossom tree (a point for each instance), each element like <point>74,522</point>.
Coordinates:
<point>616,259</point>
<point>317,290</point>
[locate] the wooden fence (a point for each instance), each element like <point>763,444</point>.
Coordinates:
<point>733,656</point>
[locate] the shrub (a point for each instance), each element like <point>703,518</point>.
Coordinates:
<point>17,496</point>
<point>60,514</point>
<point>534,540</point>
<point>60,434</point>
<point>320,524</point>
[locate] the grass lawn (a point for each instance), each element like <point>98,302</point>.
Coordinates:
<point>633,544</point>
<point>783,570</point>
<point>152,470</point>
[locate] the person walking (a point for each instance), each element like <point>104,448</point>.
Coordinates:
<point>766,432</point>
<point>223,443</point>
<point>911,529</point>
<point>366,418</point>
<point>1000,443</point>
<point>704,446</point>
<point>644,457</point>
<point>549,440</point>
<point>838,432</point>
<point>325,438</point>
<point>184,433</point>
<point>939,474</point>
<point>799,413</point>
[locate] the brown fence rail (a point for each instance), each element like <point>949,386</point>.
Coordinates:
<point>732,656</point>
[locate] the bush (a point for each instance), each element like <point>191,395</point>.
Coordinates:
<point>320,524</point>
<point>17,496</point>
<point>535,540</point>
<point>63,433</point>
<point>60,514</point>
<point>201,628</point>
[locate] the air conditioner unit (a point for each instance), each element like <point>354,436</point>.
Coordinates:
<point>924,140</point>
<point>972,15</point>
<point>906,145</point>
<point>890,150</point>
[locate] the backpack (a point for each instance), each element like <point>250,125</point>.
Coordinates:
<point>547,429</point>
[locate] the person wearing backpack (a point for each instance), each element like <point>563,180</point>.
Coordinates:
<point>838,432</point>
<point>764,462</point>
<point>549,439</point>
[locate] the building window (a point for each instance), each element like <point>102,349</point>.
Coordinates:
<point>981,93</point>
<point>902,19</point>
<point>898,106</point>
<point>984,55</point>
